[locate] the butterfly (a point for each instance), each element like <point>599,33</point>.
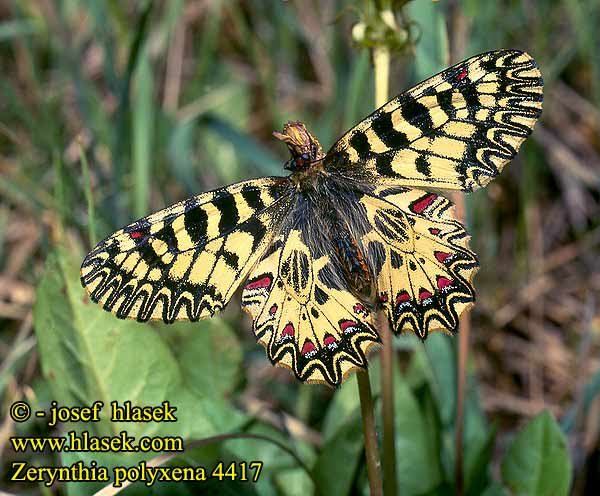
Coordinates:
<point>347,234</point>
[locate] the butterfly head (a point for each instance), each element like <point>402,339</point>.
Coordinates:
<point>303,146</point>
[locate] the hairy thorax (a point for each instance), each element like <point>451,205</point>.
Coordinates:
<point>309,177</point>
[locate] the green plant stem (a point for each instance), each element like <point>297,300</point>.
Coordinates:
<point>368,420</point>
<point>381,61</point>
<point>463,351</point>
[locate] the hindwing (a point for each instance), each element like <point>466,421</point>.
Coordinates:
<point>304,314</point>
<point>186,261</point>
<point>419,252</point>
<point>456,130</point>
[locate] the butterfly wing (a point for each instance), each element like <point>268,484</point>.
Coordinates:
<point>456,130</point>
<point>304,314</point>
<point>186,261</point>
<point>419,252</point>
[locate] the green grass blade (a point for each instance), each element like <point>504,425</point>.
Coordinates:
<point>91,212</point>
<point>143,118</point>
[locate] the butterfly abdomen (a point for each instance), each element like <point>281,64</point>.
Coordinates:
<point>353,262</point>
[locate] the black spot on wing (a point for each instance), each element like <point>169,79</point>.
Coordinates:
<point>167,235</point>
<point>320,296</point>
<point>383,164</point>
<point>330,278</point>
<point>304,269</point>
<point>416,113</point>
<point>444,99</point>
<point>422,165</point>
<point>231,259</point>
<point>488,63</point>
<point>226,205</point>
<point>396,259</point>
<point>251,195</point>
<point>360,143</point>
<point>149,255</point>
<point>470,94</point>
<point>384,128</point>
<point>256,228</point>
<point>195,220</point>
<point>384,229</point>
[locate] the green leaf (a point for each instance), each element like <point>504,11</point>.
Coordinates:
<point>336,465</point>
<point>537,462</point>
<point>108,460</point>
<point>209,355</point>
<point>478,442</point>
<point>225,487</point>
<point>495,489</point>
<point>89,355</point>
<point>418,467</point>
<point>478,456</point>
<point>343,406</point>
<point>443,375</point>
<point>275,459</point>
<point>293,482</point>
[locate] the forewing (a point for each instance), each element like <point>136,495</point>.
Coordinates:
<point>305,316</point>
<point>456,130</point>
<point>186,261</point>
<point>424,269</point>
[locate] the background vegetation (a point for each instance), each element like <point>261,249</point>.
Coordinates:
<point>164,100</point>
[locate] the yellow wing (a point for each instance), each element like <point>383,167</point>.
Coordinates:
<point>419,251</point>
<point>456,130</point>
<point>186,261</point>
<point>305,316</point>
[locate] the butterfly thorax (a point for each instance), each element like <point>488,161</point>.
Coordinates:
<point>307,153</point>
<point>337,204</point>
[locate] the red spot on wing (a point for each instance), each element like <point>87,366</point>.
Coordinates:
<point>263,282</point>
<point>424,294</point>
<point>434,230</point>
<point>402,297</point>
<point>442,256</point>
<point>346,323</point>
<point>383,297</point>
<point>443,282</point>
<point>423,203</point>
<point>462,74</point>
<point>136,234</point>
<point>288,330</point>
<point>359,307</point>
<point>329,339</point>
<point>273,309</point>
<point>308,347</point>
